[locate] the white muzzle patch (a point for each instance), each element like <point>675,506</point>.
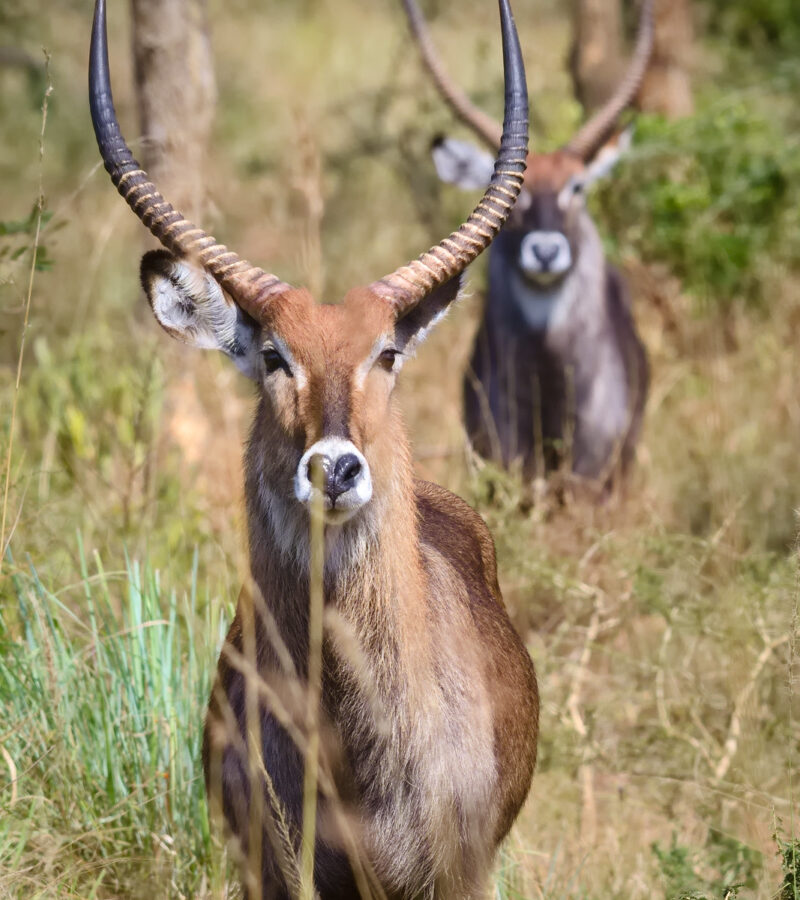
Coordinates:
<point>545,256</point>
<point>347,483</point>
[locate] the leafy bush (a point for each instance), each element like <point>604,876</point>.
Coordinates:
<point>757,24</point>
<point>789,851</point>
<point>720,869</point>
<point>715,197</point>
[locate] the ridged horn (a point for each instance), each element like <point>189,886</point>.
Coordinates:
<point>406,286</point>
<point>488,129</point>
<point>601,126</point>
<point>251,287</point>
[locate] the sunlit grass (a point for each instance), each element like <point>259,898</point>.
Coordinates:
<point>102,720</point>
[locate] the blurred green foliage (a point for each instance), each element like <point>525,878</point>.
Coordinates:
<point>16,238</point>
<point>89,422</point>
<point>789,851</point>
<point>756,24</point>
<point>716,197</point>
<point>720,869</point>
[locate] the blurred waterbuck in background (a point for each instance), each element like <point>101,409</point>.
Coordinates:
<point>428,700</point>
<point>558,373</point>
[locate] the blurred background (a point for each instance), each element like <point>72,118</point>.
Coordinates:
<point>662,622</point>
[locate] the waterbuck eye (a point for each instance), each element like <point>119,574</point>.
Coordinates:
<point>274,361</point>
<point>387,358</point>
<point>573,188</point>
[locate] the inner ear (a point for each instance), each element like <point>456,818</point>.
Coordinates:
<point>461,163</point>
<point>190,306</point>
<point>415,325</point>
<point>608,156</point>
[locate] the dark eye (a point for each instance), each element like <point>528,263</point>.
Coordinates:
<point>387,358</point>
<point>577,187</point>
<point>274,361</point>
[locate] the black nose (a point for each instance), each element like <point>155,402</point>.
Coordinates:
<point>338,475</point>
<point>343,476</point>
<point>545,252</point>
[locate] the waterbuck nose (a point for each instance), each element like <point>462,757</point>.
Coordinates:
<point>344,476</point>
<point>339,474</point>
<point>546,251</point>
<point>343,472</point>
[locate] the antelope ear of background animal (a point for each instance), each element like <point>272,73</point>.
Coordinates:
<point>413,328</point>
<point>190,306</point>
<point>608,156</point>
<point>462,163</point>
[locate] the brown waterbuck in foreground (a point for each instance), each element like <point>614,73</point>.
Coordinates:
<point>429,706</point>
<point>558,373</point>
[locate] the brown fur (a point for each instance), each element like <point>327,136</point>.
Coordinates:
<point>551,171</point>
<point>431,724</point>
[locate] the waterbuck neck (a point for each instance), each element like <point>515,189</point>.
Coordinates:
<point>373,577</point>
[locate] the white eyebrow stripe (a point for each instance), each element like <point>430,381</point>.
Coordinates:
<point>280,345</point>
<point>363,370</point>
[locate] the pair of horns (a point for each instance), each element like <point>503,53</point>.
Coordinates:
<point>254,289</point>
<point>588,140</point>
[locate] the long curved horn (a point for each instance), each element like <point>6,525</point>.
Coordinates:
<point>487,129</point>
<point>599,128</point>
<point>406,286</point>
<point>250,286</point>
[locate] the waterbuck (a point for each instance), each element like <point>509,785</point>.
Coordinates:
<point>558,374</point>
<point>429,704</point>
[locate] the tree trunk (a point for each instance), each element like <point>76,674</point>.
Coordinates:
<point>667,86</point>
<point>596,56</point>
<point>176,92</point>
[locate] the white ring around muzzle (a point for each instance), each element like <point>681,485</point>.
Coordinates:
<point>553,259</point>
<point>347,503</point>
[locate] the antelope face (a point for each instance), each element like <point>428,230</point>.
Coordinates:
<point>325,376</point>
<point>543,234</point>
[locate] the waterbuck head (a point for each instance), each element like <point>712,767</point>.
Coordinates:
<point>325,373</point>
<point>543,236</point>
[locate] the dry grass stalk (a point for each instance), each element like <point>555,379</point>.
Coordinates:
<point>289,703</point>
<point>26,318</point>
<point>313,688</point>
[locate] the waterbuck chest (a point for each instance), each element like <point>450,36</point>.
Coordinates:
<point>558,372</point>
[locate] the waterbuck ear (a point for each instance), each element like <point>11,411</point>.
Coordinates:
<point>458,162</point>
<point>413,328</point>
<point>191,306</point>
<point>608,156</point>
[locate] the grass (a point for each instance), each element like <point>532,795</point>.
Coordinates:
<point>101,735</point>
<point>663,624</point>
